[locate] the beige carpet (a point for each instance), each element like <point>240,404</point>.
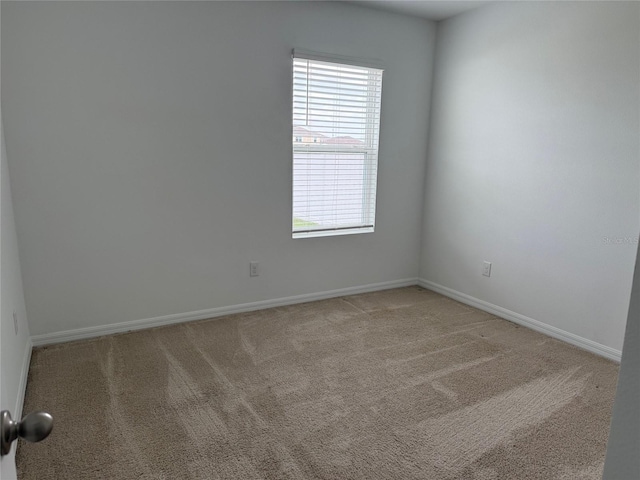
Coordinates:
<point>400,384</point>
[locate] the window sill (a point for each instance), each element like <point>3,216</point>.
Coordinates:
<point>332,233</point>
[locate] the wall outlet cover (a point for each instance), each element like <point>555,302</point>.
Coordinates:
<point>253,269</point>
<point>486,269</point>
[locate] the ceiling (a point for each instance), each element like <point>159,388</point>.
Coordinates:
<point>430,9</point>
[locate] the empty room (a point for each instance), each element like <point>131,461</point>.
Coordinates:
<point>320,240</point>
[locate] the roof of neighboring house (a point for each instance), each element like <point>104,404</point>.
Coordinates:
<point>346,140</point>
<point>306,132</point>
<point>341,140</point>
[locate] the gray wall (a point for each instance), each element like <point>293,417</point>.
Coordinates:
<point>533,161</point>
<point>150,154</point>
<point>624,439</point>
<point>14,349</point>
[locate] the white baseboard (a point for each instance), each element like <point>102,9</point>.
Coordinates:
<point>24,374</point>
<point>589,345</point>
<point>90,332</point>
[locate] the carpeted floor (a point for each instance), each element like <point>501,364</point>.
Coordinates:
<point>399,384</point>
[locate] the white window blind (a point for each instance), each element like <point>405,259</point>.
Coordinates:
<point>336,124</point>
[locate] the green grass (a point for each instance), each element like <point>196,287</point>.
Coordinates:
<point>299,222</point>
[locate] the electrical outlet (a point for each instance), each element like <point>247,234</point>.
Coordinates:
<point>15,322</point>
<point>253,269</point>
<point>486,269</point>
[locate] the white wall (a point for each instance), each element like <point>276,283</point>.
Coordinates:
<point>624,439</point>
<point>149,146</point>
<point>533,161</point>
<point>15,349</point>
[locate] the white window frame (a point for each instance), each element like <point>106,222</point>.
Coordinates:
<point>370,147</point>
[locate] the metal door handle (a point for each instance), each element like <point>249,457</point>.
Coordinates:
<point>35,427</point>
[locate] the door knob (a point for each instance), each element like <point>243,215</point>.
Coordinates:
<point>35,427</point>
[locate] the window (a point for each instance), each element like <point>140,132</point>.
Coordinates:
<point>336,124</point>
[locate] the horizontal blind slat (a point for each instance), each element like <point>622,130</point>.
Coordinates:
<point>350,74</point>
